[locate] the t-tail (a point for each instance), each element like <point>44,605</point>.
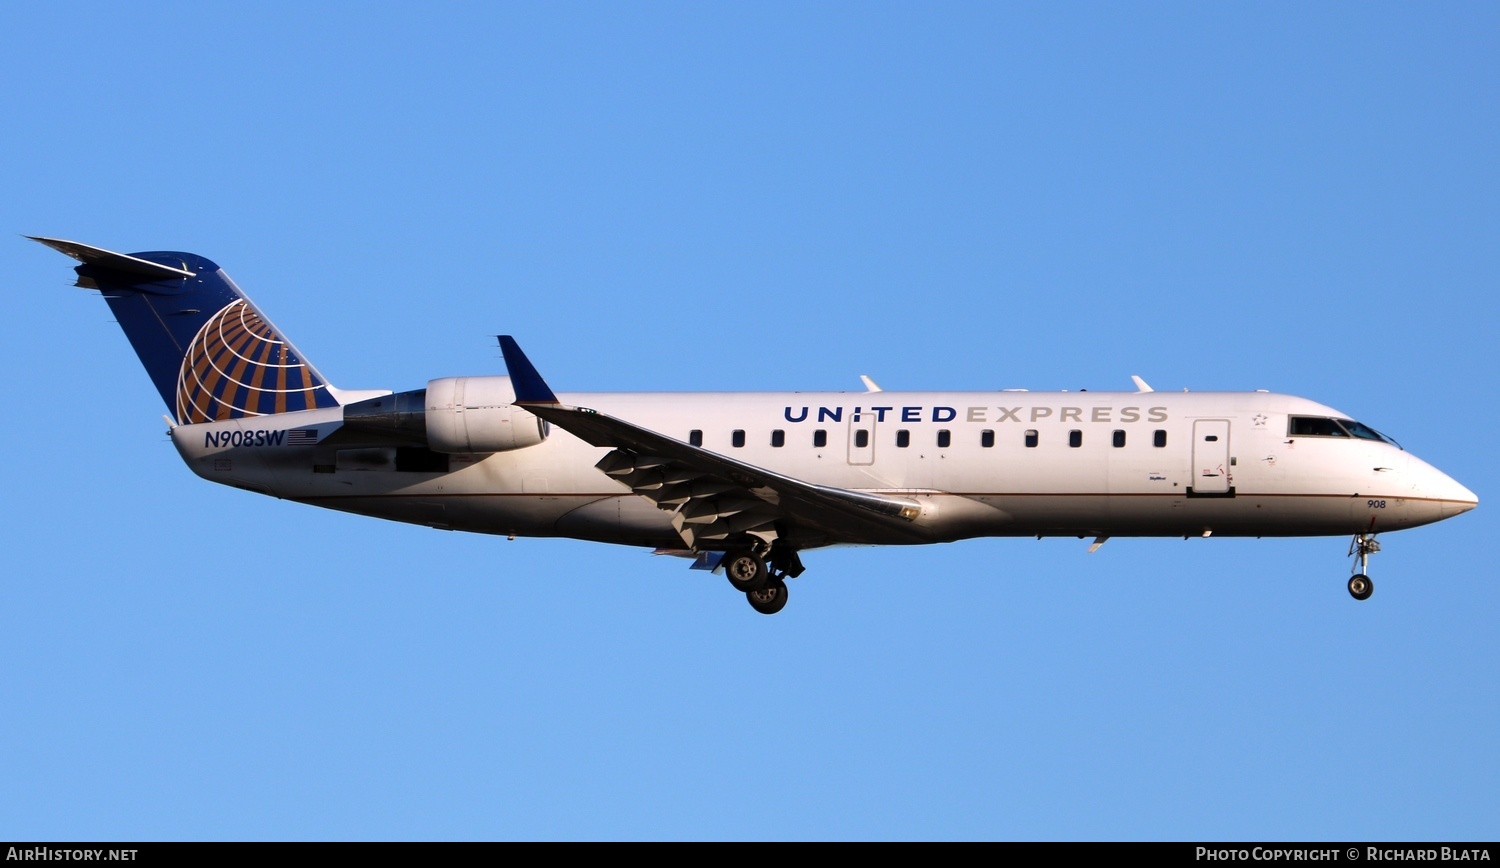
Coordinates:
<point>211,353</point>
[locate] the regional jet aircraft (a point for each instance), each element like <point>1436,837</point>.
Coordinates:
<point>743,483</point>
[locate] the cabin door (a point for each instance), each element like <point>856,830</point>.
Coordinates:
<point>862,438</point>
<point>1211,457</point>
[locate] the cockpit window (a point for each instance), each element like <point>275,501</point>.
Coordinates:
<point>1365,432</point>
<point>1315,426</point>
<point>1321,426</point>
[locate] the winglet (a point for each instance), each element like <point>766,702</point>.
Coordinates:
<point>529,385</point>
<point>1141,384</point>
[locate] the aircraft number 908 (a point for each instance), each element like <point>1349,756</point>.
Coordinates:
<point>1375,504</point>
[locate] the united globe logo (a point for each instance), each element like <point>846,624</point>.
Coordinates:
<point>238,365</point>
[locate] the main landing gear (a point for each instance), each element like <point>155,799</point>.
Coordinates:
<point>770,599</point>
<point>1363,545</point>
<point>762,580</point>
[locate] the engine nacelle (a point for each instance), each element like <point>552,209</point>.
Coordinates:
<point>475,414</point>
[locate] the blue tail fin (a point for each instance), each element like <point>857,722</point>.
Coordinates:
<point>208,349</point>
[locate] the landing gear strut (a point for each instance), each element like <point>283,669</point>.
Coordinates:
<point>784,561</point>
<point>1363,545</point>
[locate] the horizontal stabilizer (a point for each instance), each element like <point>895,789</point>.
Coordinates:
<point>101,258</point>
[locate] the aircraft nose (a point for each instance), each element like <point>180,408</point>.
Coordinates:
<point>1458,499</point>
<point>1451,496</point>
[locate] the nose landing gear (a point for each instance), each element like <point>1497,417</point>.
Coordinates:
<point>1363,545</point>
<point>1360,586</point>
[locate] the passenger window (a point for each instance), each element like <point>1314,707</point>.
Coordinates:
<point>695,437</point>
<point>820,438</point>
<point>987,439</point>
<point>1160,439</point>
<point>1075,438</point>
<point>737,438</point>
<point>903,438</point>
<point>1031,439</point>
<point>861,438</point>
<point>778,438</point>
<point>1119,438</point>
<point>1212,438</point>
<point>944,438</point>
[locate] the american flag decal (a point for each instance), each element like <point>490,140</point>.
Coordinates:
<point>302,437</point>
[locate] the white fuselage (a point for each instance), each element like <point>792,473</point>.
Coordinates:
<point>1052,463</point>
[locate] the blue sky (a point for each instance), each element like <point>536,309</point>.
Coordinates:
<point>1295,197</point>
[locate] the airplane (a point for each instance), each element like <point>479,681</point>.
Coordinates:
<point>743,483</point>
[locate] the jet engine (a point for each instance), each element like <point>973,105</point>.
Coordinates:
<point>454,415</point>
<point>475,414</point>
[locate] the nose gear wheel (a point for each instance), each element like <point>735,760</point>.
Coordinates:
<point>1361,547</point>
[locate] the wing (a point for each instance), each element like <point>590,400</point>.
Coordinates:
<point>714,498</point>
